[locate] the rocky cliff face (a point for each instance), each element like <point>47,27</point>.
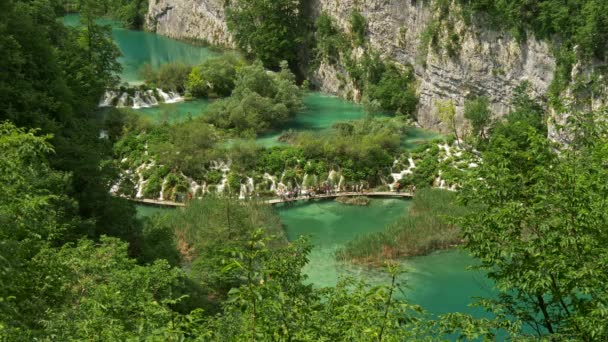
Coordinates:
<point>192,19</point>
<point>487,63</point>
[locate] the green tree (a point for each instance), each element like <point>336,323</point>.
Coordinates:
<point>213,78</point>
<point>271,31</point>
<point>358,27</point>
<point>540,233</point>
<point>447,114</point>
<point>477,111</point>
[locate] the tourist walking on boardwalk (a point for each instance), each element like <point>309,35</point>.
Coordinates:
<point>398,187</point>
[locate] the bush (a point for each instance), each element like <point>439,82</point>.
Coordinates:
<point>395,91</point>
<point>214,78</point>
<point>170,76</point>
<point>261,101</point>
<point>358,27</point>
<point>153,187</point>
<point>213,177</point>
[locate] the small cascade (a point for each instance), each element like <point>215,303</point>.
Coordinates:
<point>247,188</point>
<point>170,97</point>
<point>138,102</point>
<point>162,190</point>
<point>273,182</point>
<point>140,99</point>
<point>222,186</point>
<point>243,192</point>
<point>333,178</point>
<point>194,186</point>
<point>108,98</point>
<point>123,100</point>
<point>150,98</point>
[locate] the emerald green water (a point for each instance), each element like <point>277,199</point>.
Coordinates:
<point>439,282</point>
<point>140,47</point>
<point>149,210</point>
<point>174,112</point>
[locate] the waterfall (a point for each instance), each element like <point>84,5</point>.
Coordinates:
<point>273,186</point>
<point>243,192</point>
<point>171,97</point>
<point>246,188</point>
<point>108,98</point>
<point>140,99</point>
<point>150,98</point>
<point>138,102</point>
<point>222,185</point>
<point>162,190</point>
<point>123,100</point>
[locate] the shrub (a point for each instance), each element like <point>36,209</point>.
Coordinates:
<point>358,27</point>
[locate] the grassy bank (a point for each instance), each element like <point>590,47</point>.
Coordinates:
<point>424,229</point>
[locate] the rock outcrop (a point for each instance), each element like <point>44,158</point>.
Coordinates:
<point>487,62</point>
<point>190,19</point>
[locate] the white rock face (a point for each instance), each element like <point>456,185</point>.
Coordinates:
<point>197,19</point>
<point>487,63</point>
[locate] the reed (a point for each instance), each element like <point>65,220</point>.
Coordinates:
<point>426,227</point>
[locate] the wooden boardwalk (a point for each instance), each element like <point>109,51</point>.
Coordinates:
<point>343,194</point>
<point>283,200</point>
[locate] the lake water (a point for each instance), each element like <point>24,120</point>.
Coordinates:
<point>140,47</point>
<point>439,282</point>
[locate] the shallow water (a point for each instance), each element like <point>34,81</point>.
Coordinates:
<point>439,282</point>
<point>174,112</point>
<point>140,47</point>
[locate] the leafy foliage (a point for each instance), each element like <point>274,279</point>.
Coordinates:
<point>260,101</point>
<point>270,31</point>
<point>170,76</point>
<point>477,111</point>
<point>214,78</point>
<point>539,231</point>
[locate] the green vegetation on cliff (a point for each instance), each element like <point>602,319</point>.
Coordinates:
<point>271,31</point>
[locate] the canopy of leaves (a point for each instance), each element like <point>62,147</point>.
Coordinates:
<point>540,233</point>
<point>261,100</point>
<point>271,31</point>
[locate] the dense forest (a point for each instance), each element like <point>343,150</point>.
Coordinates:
<point>77,263</point>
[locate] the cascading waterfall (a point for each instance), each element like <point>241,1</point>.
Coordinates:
<point>246,188</point>
<point>138,102</point>
<point>170,97</point>
<point>150,98</point>
<point>140,99</point>
<point>123,100</point>
<point>108,98</point>
<point>273,182</point>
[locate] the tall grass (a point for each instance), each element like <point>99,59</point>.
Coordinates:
<point>426,227</point>
<point>217,222</point>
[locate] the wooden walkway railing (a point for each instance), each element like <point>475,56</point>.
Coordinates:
<point>288,200</point>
